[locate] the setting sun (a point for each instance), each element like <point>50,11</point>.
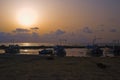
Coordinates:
<point>27,16</point>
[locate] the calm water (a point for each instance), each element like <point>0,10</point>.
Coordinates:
<point>28,44</point>
<point>78,52</point>
<point>70,52</point>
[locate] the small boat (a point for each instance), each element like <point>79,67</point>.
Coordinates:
<point>94,51</point>
<point>116,51</point>
<point>46,52</point>
<point>59,51</point>
<point>12,49</point>
<point>108,51</point>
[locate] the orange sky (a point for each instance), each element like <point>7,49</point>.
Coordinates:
<point>67,15</point>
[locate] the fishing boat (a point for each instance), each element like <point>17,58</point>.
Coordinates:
<point>116,51</point>
<point>12,49</point>
<point>46,52</point>
<point>59,51</point>
<point>56,51</point>
<point>94,51</point>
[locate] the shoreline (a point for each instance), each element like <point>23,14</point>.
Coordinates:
<point>33,67</point>
<point>42,47</point>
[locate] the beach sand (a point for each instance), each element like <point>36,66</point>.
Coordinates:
<point>33,67</point>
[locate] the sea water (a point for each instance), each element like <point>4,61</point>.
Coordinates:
<point>77,52</point>
<point>70,52</point>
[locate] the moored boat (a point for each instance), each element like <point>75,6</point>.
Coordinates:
<point>12,49</point>
<point>59,51</point>
<point>56,51</point>
<point>94,51</point>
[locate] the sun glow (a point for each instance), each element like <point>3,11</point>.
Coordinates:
<point>27,16</point>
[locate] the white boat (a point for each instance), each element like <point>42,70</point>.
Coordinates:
<point>57,51</point>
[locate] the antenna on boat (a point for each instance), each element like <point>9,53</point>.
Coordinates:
<point>95,39</point>
<point>13,41</point>
<point>115,43</point>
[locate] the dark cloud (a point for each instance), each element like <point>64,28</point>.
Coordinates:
<point>87,30</point>
<point>2,33</point>
<point>34,28</point>
<point>53,36</point>
<point>25,35</point>
<point>20,35</point>
<point>59,32</point>
<point>2,36</point>
<point>113,30</point>
<point>78,36</point>
<point>5,37</point>
<point>21,30</point>
<point>55,33</point>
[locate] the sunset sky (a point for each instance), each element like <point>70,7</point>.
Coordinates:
<point>52,20</point>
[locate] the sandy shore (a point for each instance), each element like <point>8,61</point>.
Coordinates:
<point>33,67</point>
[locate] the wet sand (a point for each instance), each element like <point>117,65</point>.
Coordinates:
<point>33,67</point>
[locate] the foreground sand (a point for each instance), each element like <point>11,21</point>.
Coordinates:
<point>31,67</point>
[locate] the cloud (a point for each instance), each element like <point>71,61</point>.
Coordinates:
<point>34,28</point>
<point>53,36</point>
<point>4,37</point>
<point>113,30</point>
<point>25,35</point>
<point>2,33</point>
<point>59,32</point>
<point>21,30</point>
<point>75,37</point>
<point>20,35</point>
<point>87,30</point>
